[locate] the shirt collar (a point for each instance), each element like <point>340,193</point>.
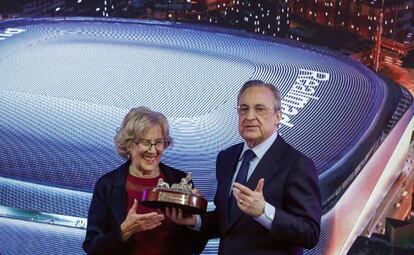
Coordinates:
<point>261,148</point>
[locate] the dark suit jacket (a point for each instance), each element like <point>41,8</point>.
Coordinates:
<point>291,185</point>
<point>108,210</point>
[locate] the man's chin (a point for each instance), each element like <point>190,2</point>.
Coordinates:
<point>250,132</point>
<point>250,137</point>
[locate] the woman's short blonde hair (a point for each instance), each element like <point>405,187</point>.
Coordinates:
<point>135,124</point>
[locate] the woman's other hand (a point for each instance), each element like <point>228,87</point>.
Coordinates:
<point>135,222</point>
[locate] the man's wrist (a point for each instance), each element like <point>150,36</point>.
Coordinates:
<point>260,212</point>
<point>267,217</point>
<point>197,224</point>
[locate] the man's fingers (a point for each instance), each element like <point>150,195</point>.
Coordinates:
<point>179,214</point>
<point>168,212</point>
<point>174,213</point>
<point>242,188</point>
<point>240,197</point>
<point>236,194</point>
<point>259,187</point>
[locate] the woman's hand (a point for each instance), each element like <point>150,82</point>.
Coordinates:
<point>135,222</point>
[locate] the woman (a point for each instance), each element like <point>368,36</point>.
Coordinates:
<point>117,222</point>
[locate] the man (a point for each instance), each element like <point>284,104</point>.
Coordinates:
<point>267,199</point>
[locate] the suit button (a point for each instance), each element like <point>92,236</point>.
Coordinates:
<point>226,237</point>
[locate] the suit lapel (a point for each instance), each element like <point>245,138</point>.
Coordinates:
<point>268,165</point>
<point>229,167</point>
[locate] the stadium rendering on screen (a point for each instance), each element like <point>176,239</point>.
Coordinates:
<point>66,84</point>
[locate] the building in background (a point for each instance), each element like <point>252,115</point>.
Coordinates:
<point>357,16</point>
<point>363,18</point>
<point>267,17</point>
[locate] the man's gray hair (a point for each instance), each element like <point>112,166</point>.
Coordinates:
<point>259,83</point>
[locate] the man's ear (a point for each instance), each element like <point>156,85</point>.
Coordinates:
<point>278,117</point>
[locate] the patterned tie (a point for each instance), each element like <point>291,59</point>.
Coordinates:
<point>242,179</point>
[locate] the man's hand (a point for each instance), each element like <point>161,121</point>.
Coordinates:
<point>135,222</point>
<point>250,201</point>
<point>177,215</point>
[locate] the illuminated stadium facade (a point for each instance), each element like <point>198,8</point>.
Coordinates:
<point>66,84</point>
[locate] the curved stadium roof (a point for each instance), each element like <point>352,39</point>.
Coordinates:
<point>67,83</point>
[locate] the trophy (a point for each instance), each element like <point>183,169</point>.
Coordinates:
<point>179,195</point>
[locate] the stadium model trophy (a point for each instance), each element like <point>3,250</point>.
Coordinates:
<point>179,195</point>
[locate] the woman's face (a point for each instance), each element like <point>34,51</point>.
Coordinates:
<point>146,152</point>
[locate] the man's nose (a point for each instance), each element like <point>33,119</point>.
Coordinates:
<point>251,113</point>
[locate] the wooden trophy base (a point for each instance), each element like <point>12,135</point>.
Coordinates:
<point>162,198</point>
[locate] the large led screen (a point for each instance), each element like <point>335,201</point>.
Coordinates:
<point>66,84</point>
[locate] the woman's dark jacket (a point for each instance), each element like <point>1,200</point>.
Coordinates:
<point>108,210</point>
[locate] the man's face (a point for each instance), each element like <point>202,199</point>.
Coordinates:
<point>258,119</point>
